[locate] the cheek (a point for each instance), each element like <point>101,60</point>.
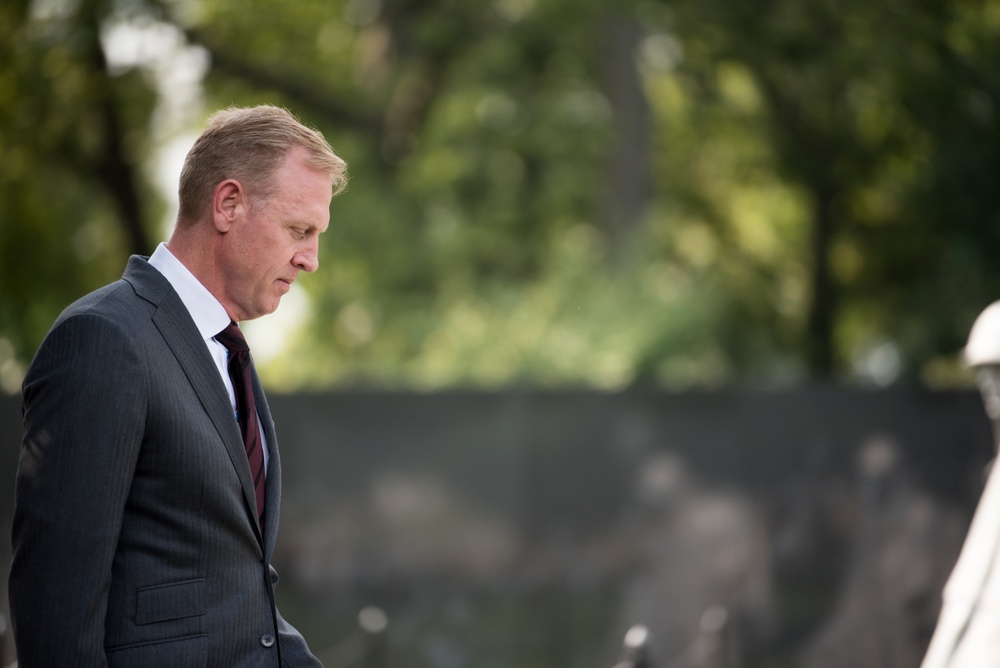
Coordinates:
<point>258,254</point>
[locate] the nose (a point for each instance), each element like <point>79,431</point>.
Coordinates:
<point>307,259</point>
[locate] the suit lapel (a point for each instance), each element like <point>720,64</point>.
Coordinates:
<point>181,335</point>
<point>272,490</point>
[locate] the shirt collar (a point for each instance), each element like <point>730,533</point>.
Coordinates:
<point>207,312</point>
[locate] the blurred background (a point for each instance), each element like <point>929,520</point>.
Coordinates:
<point>634,311</point>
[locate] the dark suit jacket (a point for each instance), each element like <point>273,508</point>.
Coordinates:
<point>135,539</point>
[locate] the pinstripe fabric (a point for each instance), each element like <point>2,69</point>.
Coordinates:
<point>135,535</point>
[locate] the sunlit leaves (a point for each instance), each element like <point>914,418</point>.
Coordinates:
<point>477,242</point>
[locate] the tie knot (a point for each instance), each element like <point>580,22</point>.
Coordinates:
<point>232,338</point>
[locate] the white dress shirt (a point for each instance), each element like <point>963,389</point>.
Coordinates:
<point>209,317</point>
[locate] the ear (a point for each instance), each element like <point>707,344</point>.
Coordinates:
<point>229,204</point>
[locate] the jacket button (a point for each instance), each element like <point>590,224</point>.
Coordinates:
<point>267,640</point>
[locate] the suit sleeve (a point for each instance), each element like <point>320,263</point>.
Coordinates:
<point>294,650</point>
<point>84,409</point>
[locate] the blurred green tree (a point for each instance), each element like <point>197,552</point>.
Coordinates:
<point>71,198</point>
<point>882,113</point>
<point>543,192</point>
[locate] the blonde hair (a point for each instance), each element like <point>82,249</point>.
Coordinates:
<point>249,144</point>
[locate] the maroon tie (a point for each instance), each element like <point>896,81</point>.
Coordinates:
<point>246,408</point>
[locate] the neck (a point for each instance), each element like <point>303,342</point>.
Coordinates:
<point>195,247</point>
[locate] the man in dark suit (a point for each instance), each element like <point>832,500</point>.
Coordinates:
<point>146,503</point>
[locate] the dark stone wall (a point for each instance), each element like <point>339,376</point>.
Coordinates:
<point>806,527</point>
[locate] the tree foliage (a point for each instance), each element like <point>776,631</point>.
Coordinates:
<point>554,192</point>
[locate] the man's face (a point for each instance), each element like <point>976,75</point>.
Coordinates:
<point>277,239</point>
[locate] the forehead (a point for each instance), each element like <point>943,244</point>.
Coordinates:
<point>303,191</point>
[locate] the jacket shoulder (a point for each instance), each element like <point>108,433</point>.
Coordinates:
<point>139,288</point>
